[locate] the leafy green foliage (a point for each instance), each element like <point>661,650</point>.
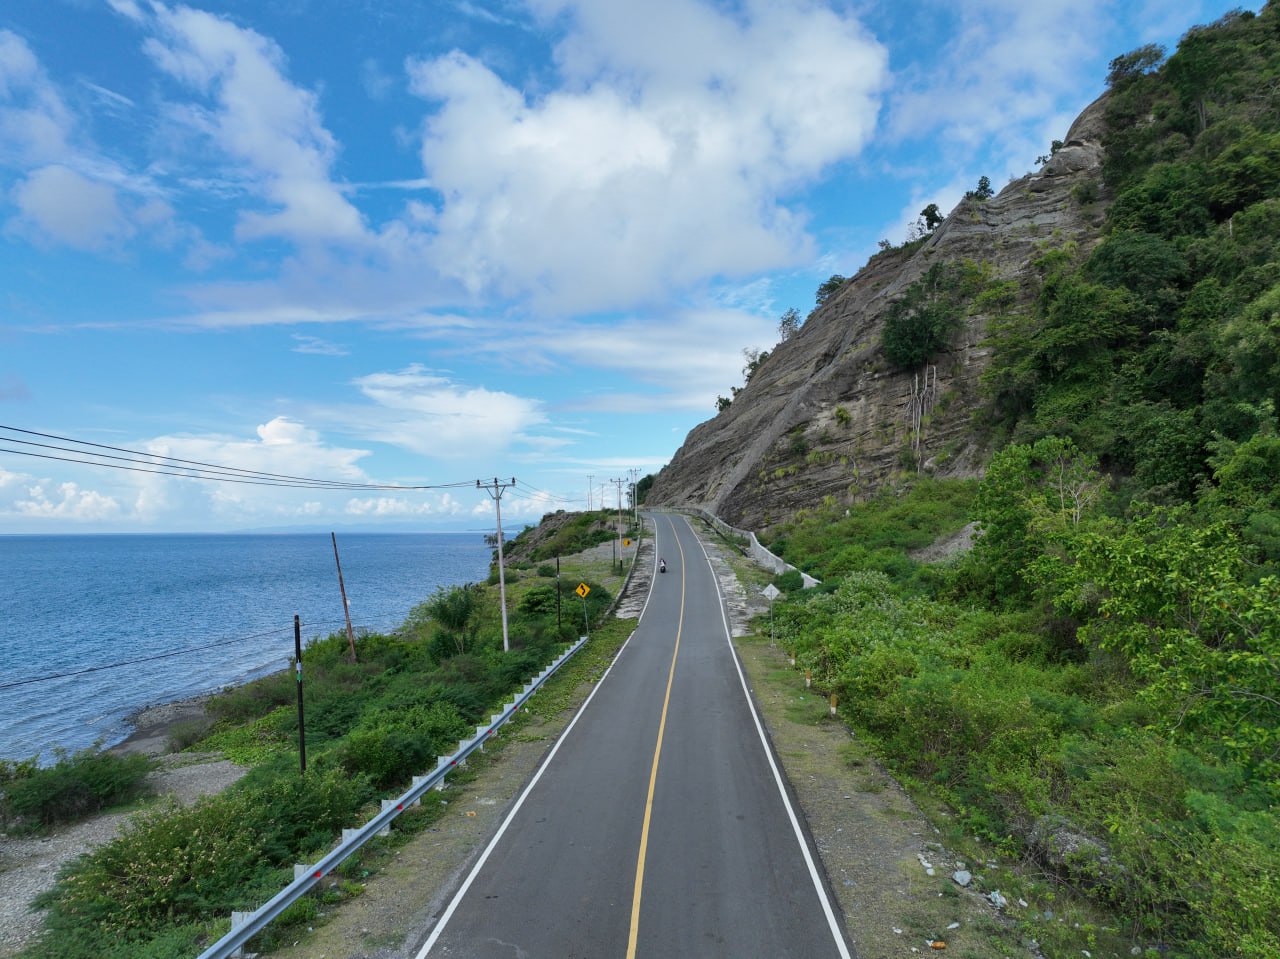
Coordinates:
<point>829,288</point>
<point>833,541</point>
<point>983,190</point>
<point>574,532</point>
<point>920,323</point>
<point>75,786</point>
<point>181,864</point>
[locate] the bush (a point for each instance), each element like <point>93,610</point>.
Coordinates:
<point>182,864</point>
<point>391,746</point>
<point>74,787</point>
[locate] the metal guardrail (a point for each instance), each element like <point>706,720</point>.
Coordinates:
<point>760,554</point>
<point>244,926</point>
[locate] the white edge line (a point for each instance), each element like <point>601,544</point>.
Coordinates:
<point>777,776</point>
<point>484,857</point>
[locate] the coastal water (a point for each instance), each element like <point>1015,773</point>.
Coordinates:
<point>96,627</point>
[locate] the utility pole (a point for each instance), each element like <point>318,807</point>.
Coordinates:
<point>302,726</point>
<point>635,505</point>
<point>496,491</point>
<point>346,607</point>
<point>618,483</point>
<point>591,479</point>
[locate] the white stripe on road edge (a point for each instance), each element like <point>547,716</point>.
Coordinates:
<point>777,776</point>
<point>484,857</point>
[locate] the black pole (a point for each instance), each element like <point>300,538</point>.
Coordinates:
<point>558,625</point>
<point>297,658</point>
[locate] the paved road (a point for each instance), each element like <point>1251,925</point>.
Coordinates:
<point>657,827</point>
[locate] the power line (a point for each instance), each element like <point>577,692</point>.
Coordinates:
<point>143,462</point>
<point>148,659</point>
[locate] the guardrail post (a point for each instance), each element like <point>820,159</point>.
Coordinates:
<point>238,919</point>
<point>242,923</point>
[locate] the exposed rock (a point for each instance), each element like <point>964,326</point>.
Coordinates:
<point>826,414</point>
<point>1062,847</point>
<point>960,541</point>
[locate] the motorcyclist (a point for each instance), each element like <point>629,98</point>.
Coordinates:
<point>662,565</point>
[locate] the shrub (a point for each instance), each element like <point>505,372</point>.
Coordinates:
<point>74,787</point>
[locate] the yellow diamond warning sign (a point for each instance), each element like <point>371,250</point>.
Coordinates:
<point>582,590</point>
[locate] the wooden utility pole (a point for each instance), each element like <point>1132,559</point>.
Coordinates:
<point>346,607</point>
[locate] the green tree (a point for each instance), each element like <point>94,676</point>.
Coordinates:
<point>1030,494</point>
<point>828,289</point>
<point>643,485</point>
<point>789,324</point>
<point>983,191</point>
<point>932,217</point>
<point>1135,63</point>
<point>453,610</point>
<point>920,323</point>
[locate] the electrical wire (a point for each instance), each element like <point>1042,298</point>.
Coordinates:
<point>142,462</point>
<point>167,655</point>
<point>144,659</point>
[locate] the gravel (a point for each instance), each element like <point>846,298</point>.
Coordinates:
<point>29,865</point>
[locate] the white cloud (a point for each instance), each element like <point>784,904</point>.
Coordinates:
<point>35,124</point>
<point>281,445</point>
<point>430,414</point>
<point>67,501</point>
<point>662,161</point>
<point>57,203</point>
<point>688,356</point>
<point>1005,62</point>
<point>393,506</point>
<point>317,346</point>
<point>126,8</point>
<point>261,121</point>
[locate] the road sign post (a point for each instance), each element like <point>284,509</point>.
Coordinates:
<point>771,593</point>
<point>582,591</point>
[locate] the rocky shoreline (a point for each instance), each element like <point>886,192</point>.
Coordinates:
<point>153,725</point>
<point>29,865</point>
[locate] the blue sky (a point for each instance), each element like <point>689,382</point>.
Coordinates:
<point>420,243</point>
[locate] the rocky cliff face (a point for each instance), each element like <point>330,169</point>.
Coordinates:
<point>827,415</point>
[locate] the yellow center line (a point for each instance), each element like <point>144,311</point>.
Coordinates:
<point>653,775</point>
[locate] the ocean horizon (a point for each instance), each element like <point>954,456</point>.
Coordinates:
<point>106,624</point>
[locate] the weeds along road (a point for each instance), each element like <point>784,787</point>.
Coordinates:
<point>658,826</point>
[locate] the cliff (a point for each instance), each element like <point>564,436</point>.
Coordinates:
<point>827,415</point>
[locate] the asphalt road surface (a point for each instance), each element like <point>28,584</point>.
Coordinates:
<point>658,825</point>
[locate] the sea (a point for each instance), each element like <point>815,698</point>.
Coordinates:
<point>98,627</point>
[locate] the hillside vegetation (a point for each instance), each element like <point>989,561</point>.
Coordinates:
<point>1095,686</point>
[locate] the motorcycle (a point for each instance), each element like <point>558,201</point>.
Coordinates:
<point>662,566</point>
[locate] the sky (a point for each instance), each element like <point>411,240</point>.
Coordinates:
<point>421,243</point>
